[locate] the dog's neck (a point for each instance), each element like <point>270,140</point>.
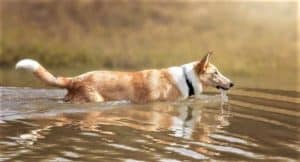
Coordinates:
<point>183,72</point>
<point>188,83</point>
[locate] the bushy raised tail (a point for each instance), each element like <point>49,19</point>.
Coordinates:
<point>39,71</point>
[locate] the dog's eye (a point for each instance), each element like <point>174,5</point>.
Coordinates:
<point>216,73</point>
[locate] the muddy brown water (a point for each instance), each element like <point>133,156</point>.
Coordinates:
<point>249,124</point>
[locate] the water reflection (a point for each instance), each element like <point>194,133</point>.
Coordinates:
<point>245,128</point>
<point>186,121</point>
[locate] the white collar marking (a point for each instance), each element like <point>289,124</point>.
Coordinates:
<point>178,75</point>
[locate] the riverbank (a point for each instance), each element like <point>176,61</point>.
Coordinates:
<point>140,35</point>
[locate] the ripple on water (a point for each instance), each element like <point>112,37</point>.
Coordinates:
<point>255,124</point>
<point>188,153</point>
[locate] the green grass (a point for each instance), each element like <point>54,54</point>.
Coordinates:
<point>248,38</point>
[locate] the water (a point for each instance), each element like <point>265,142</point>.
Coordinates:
<point>249,124</point>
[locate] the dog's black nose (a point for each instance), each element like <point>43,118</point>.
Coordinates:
<point>231,84</point>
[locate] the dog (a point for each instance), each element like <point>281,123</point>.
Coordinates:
<point>169,84</point>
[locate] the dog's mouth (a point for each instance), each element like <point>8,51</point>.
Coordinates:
<point>220,87</point>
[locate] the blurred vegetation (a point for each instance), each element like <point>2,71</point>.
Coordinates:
<point>246,37</point>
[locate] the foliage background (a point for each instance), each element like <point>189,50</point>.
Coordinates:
<point>247,38</point>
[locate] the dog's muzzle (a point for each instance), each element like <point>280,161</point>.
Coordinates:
<point>225,88</point>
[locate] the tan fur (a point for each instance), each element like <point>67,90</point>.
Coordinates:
<point>98,86</point>
<point>47,77</point>
<point>141,86</point>
<point>203,64</point>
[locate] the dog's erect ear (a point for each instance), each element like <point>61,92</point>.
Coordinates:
<point>202,65</point>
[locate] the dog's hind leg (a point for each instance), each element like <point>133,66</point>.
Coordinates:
<point>83,95</point>
<point>93,95</point>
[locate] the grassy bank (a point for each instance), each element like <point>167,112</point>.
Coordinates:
<point>246,37</point>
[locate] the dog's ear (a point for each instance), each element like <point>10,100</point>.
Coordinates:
<point>202,65</point>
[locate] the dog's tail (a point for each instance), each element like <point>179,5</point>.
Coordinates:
<point>39,71</point>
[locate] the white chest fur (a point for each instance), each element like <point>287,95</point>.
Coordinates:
<point>178,75</point>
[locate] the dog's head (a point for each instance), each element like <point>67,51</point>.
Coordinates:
<point>209,74</point>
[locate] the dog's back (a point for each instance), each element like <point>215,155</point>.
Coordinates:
<point>98,86</point>
<point>141,86</point>
<point>178,82</point>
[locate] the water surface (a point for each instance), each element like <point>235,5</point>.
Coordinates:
<point>254,124</point>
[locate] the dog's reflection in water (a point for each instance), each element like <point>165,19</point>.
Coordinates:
<point>178,120</point>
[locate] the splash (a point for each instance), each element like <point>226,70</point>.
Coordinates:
<point>224,97</point>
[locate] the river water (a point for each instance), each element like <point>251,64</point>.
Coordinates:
<point>249,124</point>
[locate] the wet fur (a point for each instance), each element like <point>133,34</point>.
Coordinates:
<point>142,86</point>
